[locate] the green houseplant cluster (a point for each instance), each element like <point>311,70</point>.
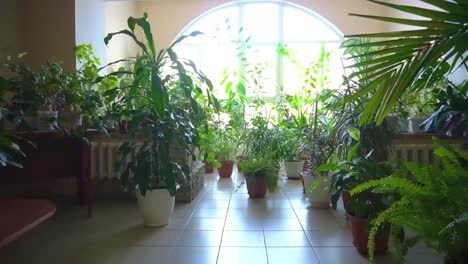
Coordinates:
<point>165,112</point>
<point>431,201</point>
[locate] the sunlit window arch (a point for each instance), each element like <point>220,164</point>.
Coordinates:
<point>265,24</point>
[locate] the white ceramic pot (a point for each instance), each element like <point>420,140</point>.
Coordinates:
<point>156,207</point>
<point>294,168</point>
<point>413,124</point>
<point>317,198</point>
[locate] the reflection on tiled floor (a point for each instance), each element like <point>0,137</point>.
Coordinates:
<point>220,226</point>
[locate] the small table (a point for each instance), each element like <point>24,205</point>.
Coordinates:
<point>20,216</point>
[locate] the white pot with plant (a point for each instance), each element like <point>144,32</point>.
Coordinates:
<point>166,114</point>
<point>316,187</point>
<point>290,148</point>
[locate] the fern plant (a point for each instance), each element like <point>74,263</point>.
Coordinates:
<point>432,203</point>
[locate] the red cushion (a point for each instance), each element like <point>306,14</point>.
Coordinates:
<point>19,216</point>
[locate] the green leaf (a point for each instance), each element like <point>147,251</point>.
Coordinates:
<point>412,22</point>
<point>432,14</point>
<point>354,133</point>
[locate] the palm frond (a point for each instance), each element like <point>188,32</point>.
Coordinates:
<point>441,36</point>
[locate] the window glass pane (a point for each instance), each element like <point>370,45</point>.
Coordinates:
<point>303,32</point>
<point>217,26</point>
<point>300,26</point>
<point>260,21</point>
<point>261,71</point>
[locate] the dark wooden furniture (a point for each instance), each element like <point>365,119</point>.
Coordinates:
<point>20,216</point>
<point>53,155</point>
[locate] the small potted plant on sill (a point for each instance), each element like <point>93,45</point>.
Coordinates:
<point>451,116</point>
<point>260,174</point>
<point>166,113</point>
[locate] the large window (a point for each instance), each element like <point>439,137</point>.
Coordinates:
<point>242,39</point>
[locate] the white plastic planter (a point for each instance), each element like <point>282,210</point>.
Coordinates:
<point>156,207</point>
<point>413,124</point>
<point>317,198</point>
<point>294,168</point>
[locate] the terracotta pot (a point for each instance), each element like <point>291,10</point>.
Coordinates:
<point>208,167</point>
<point>226,168</point>
<point>360,230</point>
<point>256,186</point>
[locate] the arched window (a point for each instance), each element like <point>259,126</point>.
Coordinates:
<point>243,37</point>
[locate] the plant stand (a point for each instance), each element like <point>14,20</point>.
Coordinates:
<point>190,190</point>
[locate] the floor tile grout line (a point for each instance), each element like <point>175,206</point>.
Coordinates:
<point>224,225</point>
<point>304,231</point>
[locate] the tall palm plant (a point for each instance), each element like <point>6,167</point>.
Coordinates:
<point>403,57</point>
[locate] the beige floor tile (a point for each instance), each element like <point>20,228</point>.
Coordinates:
<point>281,224</point>
<point>214,204</point>
<point>244,255</point>
<point>340,238</point>
<point>198,238</point>
<point>193,255</point>
<point>296,255</point>
<point>286,239</point>
<point>334,255</point>
<point>148,237</point>
<point>243,239</point>
<point>205,224</point>
<point>243,224</point>
<point>210,213</point>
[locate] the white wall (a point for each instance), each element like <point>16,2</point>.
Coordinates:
<point>11,27</point>
<point>117,13</point>
<point>169,17</point>
<point>49,32</point>
<point>90,25</point>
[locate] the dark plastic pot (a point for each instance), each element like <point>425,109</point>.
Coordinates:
<point>256,186</point>
<point>360,230</point>
<point>226,168</point>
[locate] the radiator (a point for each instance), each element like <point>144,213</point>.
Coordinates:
<point>104,157</point>
<point>422,154</point>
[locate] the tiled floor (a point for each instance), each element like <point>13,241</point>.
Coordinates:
<point>221,226</point>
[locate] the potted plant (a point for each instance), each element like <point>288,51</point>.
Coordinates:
<point>292,165</point>
<point>225,149</point>
<point>166,114</point>
<point>361,212</point>
<point>354,170</point>
<point>260,173</point>
<point>451,116</point>
<point>430,203</point>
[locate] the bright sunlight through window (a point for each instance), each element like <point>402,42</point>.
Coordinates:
<point>266,46</point>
